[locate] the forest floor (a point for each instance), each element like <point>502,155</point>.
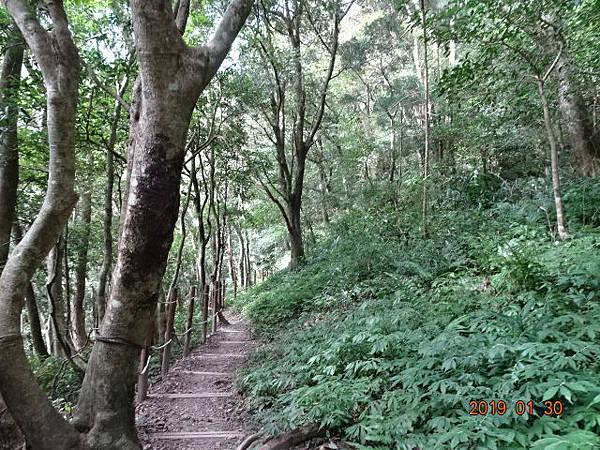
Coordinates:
<point>197,406</point>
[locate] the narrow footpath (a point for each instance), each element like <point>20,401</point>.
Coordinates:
<point>196,406</point>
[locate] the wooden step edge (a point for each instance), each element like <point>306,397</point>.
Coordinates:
<point>193,395</point>
<point>196,435</point>
<point>208,374</point>
<point>219,355</point>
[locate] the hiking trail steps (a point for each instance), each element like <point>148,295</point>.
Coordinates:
<point>196,405</point>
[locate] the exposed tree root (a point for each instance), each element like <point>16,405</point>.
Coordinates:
<point>246,443</point>
<point>222,318</point>
<point>293,438</point>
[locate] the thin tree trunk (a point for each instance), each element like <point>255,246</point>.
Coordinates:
<point>142,384</point>
<point>242,258</point>
<point>205,318</point>
<point>189,322</point>
<point>160,319</point>
<point>248,263</point>
<point>54,285</point>
<point>173,299</point>
<point>10,79</point>
<point>560,220</point>
<point>232,265</point>
<point>37,339</point>
<point>425,209</point>
<point>296,239</point>
<point>203,238</point>
<point>78,312</point>
<point>393,155</point>
<point>108,210</point>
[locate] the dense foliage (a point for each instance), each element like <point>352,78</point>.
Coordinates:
<point>385,337</point>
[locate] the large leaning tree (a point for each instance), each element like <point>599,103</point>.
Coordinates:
<point>172,75</point>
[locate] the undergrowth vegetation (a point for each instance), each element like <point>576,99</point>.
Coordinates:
<point>384,337</point>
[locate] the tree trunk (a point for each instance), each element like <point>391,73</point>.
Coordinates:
<point>37,339</point>
<point>54,286</point>
<point>142,384</point>
<point>108,212</point>
<point>393,150</point>
<point>58,59</point>
<point>242,258</point>
<point>426,150</point>
<point>161,319</point>
<point>106,404</point>
<point>560,221</point>
<point>173,299</point>
<point>189,322</point>
<point>10,79</point>
<point>295,236</point>
<point>248,263</point>
<point>232,266</point>
<point>78,312</point>
<point>203,285</point>
<point>172,77</point>
<point>579,126</point>
<point>205,301</point>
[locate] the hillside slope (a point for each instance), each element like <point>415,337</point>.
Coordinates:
<point>384,337</point>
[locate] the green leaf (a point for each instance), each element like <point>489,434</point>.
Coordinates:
<point>595,401</point>
<point>551,392</point>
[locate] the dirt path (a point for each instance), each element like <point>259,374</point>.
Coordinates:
<point>196,406</point>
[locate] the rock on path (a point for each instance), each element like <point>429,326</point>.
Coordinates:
<point>196,406</point>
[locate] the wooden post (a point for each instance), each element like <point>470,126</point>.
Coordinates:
<point>214,294</point>
<point>160,322</point>
<point>205,294</point>
<point>171,308</point>
<point>142,385</point>
<point>190,322</point>
<point>223,292</point>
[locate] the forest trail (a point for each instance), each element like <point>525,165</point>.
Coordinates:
<point>196,406</point>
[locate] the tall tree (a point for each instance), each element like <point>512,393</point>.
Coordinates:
<point>292,145</point>
<point>172,77</point>
<point>58,59</point>
<point>9,157</point>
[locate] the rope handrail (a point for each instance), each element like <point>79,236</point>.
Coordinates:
<point>153,347</point>
<point>145,369</point>
<point>162,346</point>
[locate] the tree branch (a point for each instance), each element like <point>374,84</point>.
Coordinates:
<point>217,48</point>
<point>117,95</point>
<point>323,97</point>
<point>276,201</point>
<point>553,65</point>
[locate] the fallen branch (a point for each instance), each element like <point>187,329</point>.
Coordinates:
<point>292,438</point>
